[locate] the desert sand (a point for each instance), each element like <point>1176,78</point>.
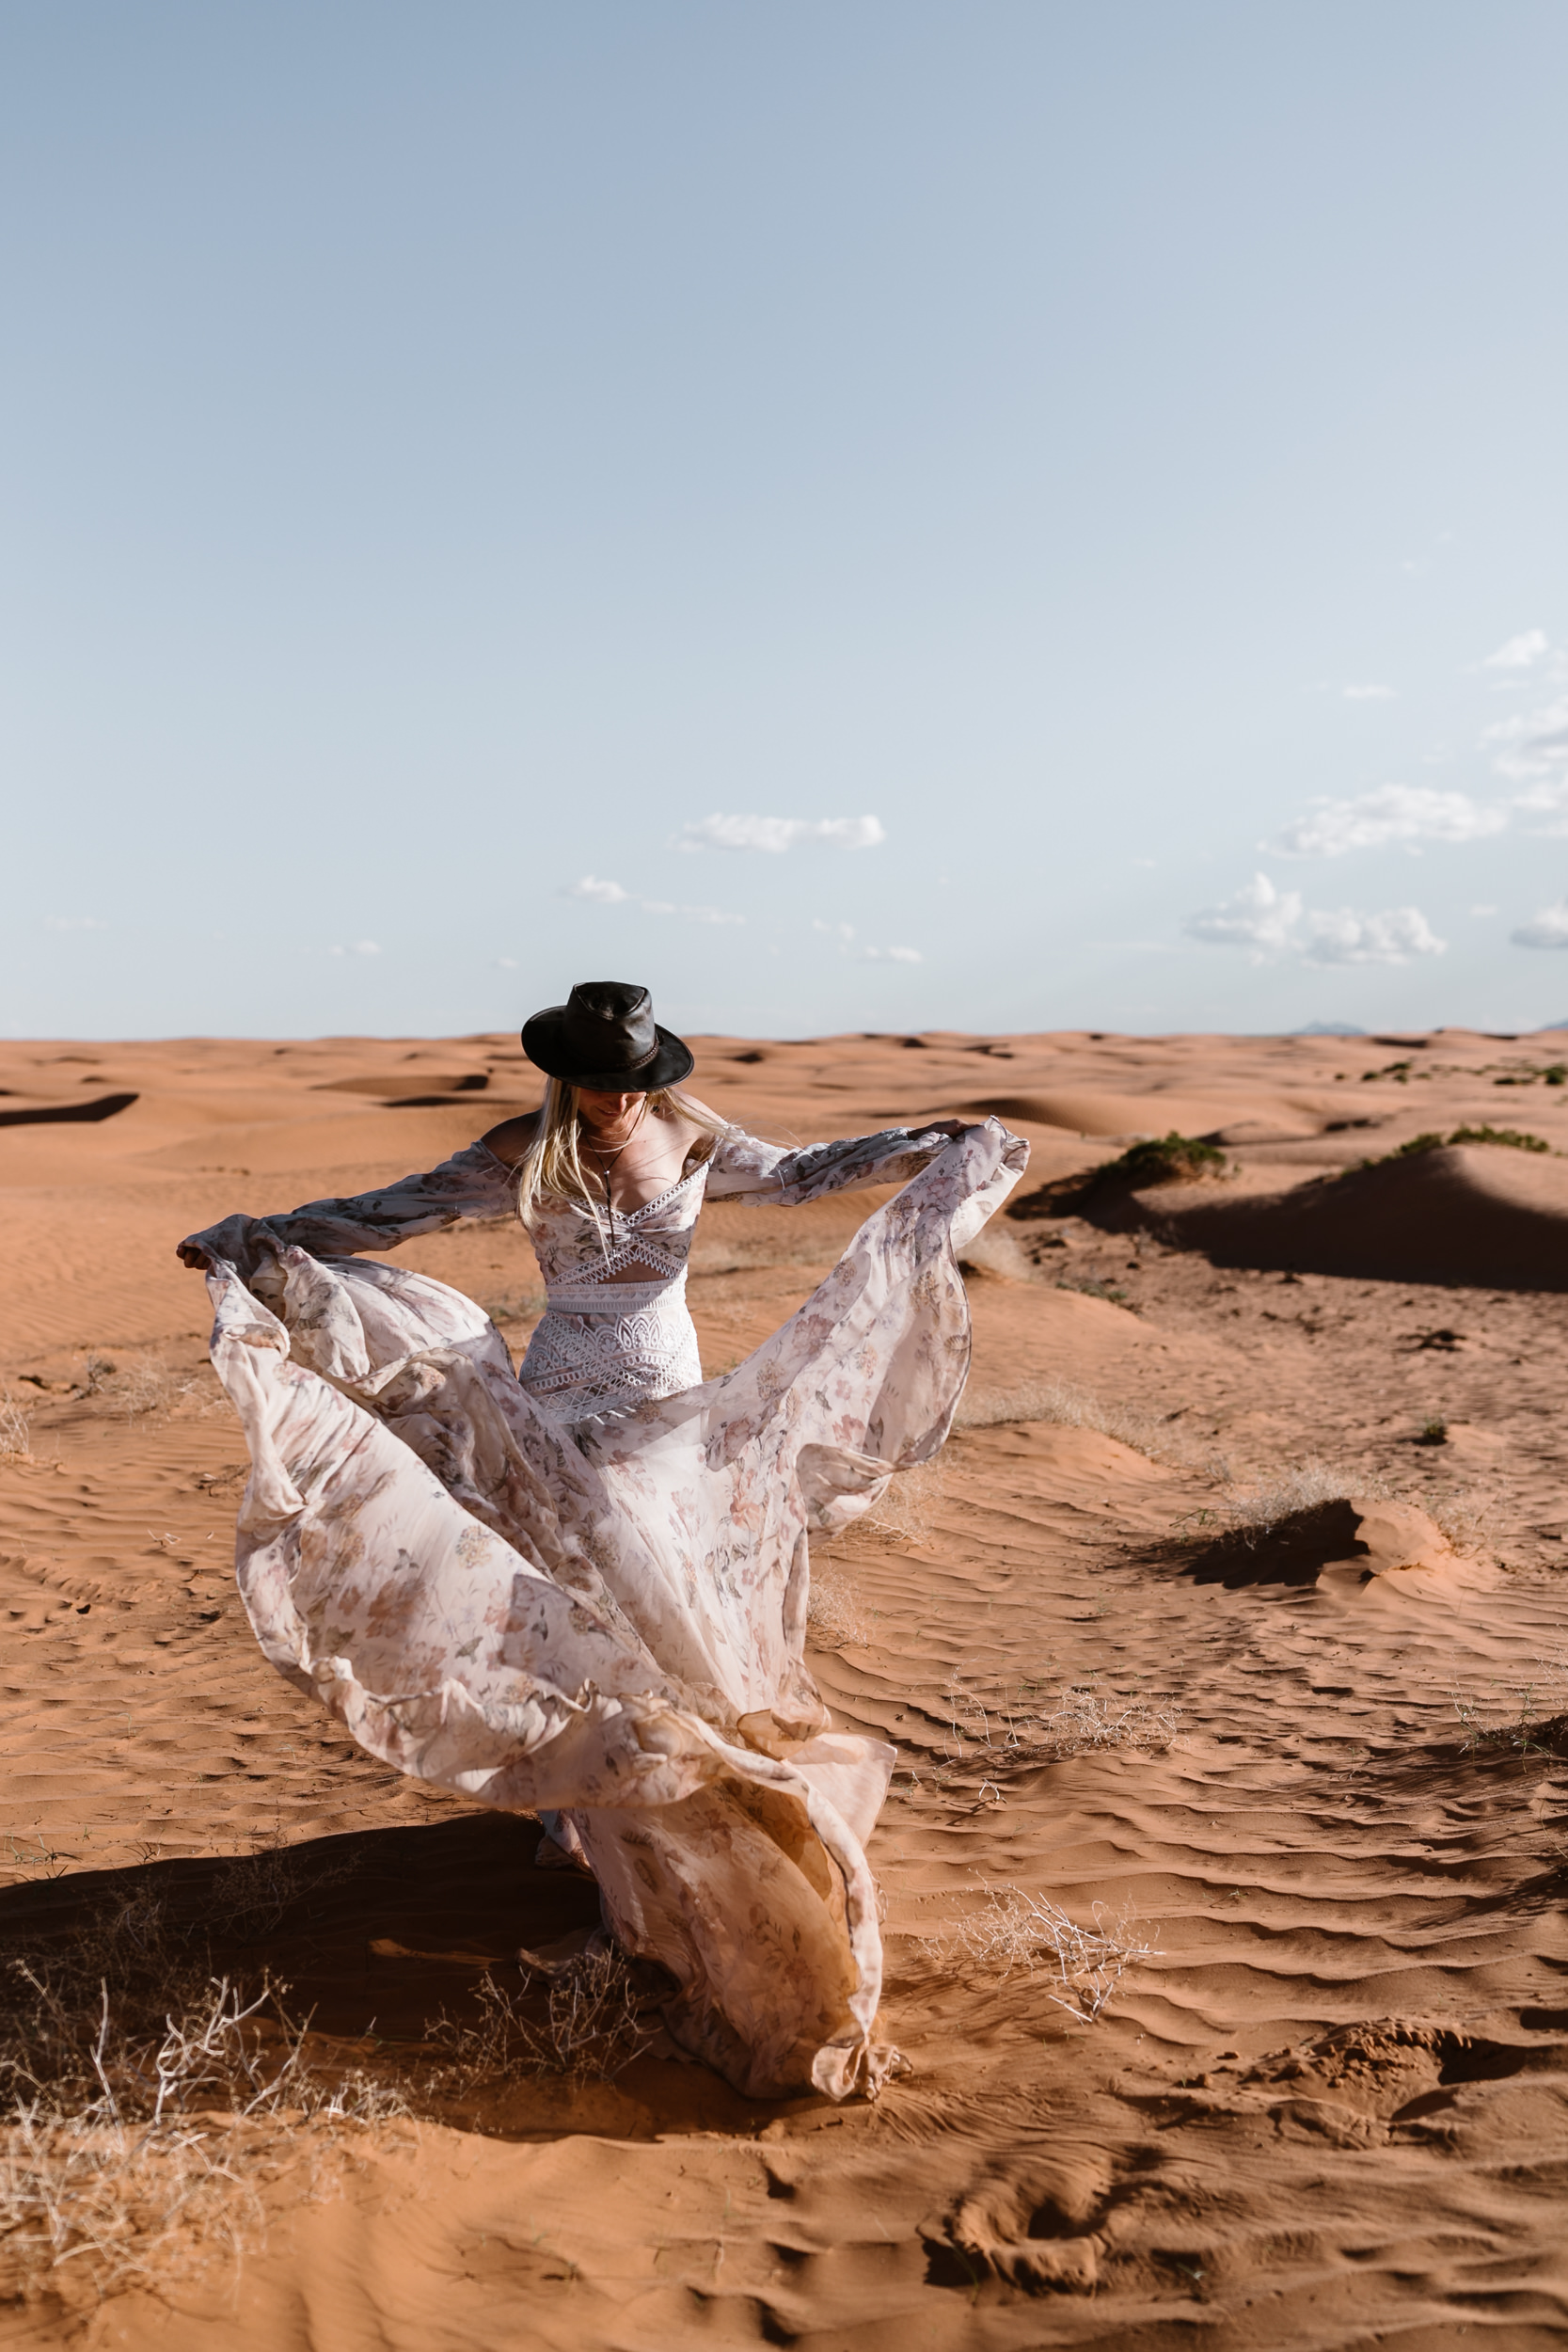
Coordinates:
<point>1232,1623</point>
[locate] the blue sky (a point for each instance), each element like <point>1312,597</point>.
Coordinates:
<point>1093,477</point>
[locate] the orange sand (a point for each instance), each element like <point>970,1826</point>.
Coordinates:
<point>1328,2110</point>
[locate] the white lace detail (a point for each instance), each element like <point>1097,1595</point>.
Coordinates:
<point>604,1345</point>
<point>578,1365</point>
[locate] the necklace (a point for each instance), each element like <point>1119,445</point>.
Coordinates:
<point>607,1163</point>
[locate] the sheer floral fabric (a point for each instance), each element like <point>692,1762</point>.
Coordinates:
<point>583,1591</point>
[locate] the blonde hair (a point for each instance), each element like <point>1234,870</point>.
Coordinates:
<point>551,1167</point>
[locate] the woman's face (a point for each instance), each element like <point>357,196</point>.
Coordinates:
<point>606,1110</point>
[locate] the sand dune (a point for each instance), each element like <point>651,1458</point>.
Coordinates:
<point>1468,1215</point>
<point>1196,1632</point>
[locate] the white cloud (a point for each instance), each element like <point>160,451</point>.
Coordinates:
<point>1258,917</point>
<point>1549,929</point>
<point>844,933</point>
<point>1519,653</point>
<point>1485,911</point>
<point>74,923</point>
<point>360,947</point>
<point>610,894</point>
<point>774,834</point>
<point>1549,801</point>
<point>1370,693</point>
<point>506,963</point>
<point>1274,922</point>
<point>1391,813</point>
<point>1531,745</point>
<point>1392,937</point>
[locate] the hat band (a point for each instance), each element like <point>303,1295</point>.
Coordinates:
<point>638,1061</point>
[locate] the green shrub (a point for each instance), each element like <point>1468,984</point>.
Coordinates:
<point>1173,1159</point>
<point>1408,1150</point>
<point>1509,1135</point>
<point>1433,1143</point>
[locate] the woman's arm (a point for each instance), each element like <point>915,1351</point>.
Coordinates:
<point>745,1168</point>
<point>475,1182</point>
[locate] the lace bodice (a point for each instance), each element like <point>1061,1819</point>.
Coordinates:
<point>607,1341</point>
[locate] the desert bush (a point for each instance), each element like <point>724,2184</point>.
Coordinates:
<point>16,1431</point>
<point>1257,1510</point>
<point>1172,1159</point>
<point>1005,1731</point>
<point>108,2150</point>
<point>143,1389</point>
<point>1019,1933</point>
<point>593,2025</point>
<point>835,1615</point>
<point>1510,1139</point>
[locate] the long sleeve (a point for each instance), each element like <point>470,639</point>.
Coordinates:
<point>745,1168</point>
<point>473,1182</point>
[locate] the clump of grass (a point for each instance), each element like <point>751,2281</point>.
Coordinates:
<point>593,2025</point>
<point>1090,1286</point>
<point>1258,1509</point>
<point>1510,1138</point>
<point>907,1506</point>
<point>108,2156</point>
<point>1057,1400</point>
<point>143,1389</point>
<point>1433,1432</point>
<point>1011,1732</point>
<point>1524,1722</point>
<point>16,1433</point>
<point>1086,1719</point>
<point>1018,1932</point>
<point>835,1612</point>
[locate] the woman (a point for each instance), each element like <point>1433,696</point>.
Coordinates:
<point>580,1590</point>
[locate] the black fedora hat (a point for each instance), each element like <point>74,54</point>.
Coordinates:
<point>605,1036</point>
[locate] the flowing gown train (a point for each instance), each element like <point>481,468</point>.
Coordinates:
<point>581,1598</point>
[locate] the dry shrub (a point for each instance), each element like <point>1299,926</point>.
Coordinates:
<point>1017,1932</point>
<point>1257,1509</point>
<point>136,2154</point>
<point>1076,1408</point>
<point>16,1431</point>
<point>1464,1517</point>
<point>1087,1719</point>
<point>143,1389</point>
<point>593,2025</point>
<point>835,1612</point>
<point>907,1506</point>
<point>1008,1733</point>
<point>1531,1719</point>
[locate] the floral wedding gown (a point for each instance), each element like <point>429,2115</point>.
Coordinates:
<point>580,1590</point>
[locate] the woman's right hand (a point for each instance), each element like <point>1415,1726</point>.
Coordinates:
<point>192,1254</point>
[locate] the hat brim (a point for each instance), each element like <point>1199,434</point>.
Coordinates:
<point>543,1043</point>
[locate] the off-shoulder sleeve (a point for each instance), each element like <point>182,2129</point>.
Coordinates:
<point>473,1182</point>
<point>743,1167</point>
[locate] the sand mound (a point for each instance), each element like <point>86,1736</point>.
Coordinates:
<point>1466,1213</point>
<point>1341,1549</point>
